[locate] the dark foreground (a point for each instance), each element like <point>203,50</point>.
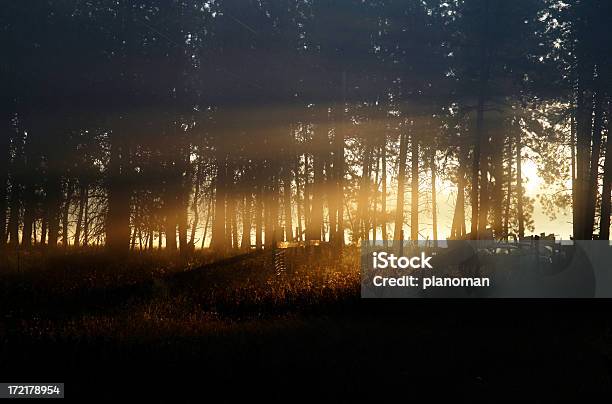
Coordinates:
<point>288,328</point>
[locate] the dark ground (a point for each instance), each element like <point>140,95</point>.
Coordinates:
<point>245,327</point>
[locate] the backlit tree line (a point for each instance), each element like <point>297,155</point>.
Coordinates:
<point>183,124</point>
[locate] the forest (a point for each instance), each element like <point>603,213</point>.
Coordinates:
<point>191,182</point>
<point>139,125</point>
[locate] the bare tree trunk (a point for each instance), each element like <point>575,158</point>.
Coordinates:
<point>519,185</point>
<point>375,197</point>
<point>434,206</point>
<point>246,221</point>
<point>66,212</point>
<point>316,216</point>
<point>584,128</point>
<point>331,192</point>
<point>298,200</point>
<point>339,168</point>
<point>401,184</point>
<point>259,211</point>
<point>195,206</point>
<point>364,191</point>
<point>4,172</point>
<point>43,229</point>
<point>307,188</point>
<point>287,206</point>
<point>15,200</point>
<point>133,238</point>
<point>476,172</point>
<point>28,215</point>
<point>86,219</point>
<point>273,217</point>
<point>606,193</point>
<point>573,168</point>
<point>209,211</point>
<point>53,201</point>
<point>458,226</point>
<point>458,229</point>
<point>414,192</point>
<point>79,223</point>
<point>497,170</point>
<point>589,220</point>
<point>383,196</point>
<point>485,192</point>
<point>233,222</point>
<point>508,188</point>
<point>14,212</point>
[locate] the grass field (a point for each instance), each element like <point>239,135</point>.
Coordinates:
<point>163,327</point>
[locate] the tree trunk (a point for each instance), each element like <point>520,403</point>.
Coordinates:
<point>583,146</point>
<point>287,206</point>
<point>414,191</point>
<point>383,196</point>
<point>53,201</point>
<point>306,199</point>
<point>273,217</point>
<point>66,212</point>
<point>375,197</point>
<point>233,222</point>
<point>458,226</point>
<point>246,222</point>
<point>519,185</point>
<point>133,237</point>
<point>364,191</point>
<point>573,168</point>
<point>185,181</point>
<point>14,212</point>
<point>401,184</point>
<point>593,183</point>
<point>606,193</point>
<point>79,223</point>
<point>4,167</point>
<point>316,216</point>
<point>485,194</point>
<point>209,211</point>
<point>259,210</point>
<point>28,214</point>
<point>86,219</point>
<point>298,200</point>
<point>43,229</point>
<point>497,195</point>
<point>476,168</point>
<point>196,201</point>
<point>508,199</point>
<point>16,180</point>
<point>339,179</point>
<point>339,168</point>
<point>434,205</point>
